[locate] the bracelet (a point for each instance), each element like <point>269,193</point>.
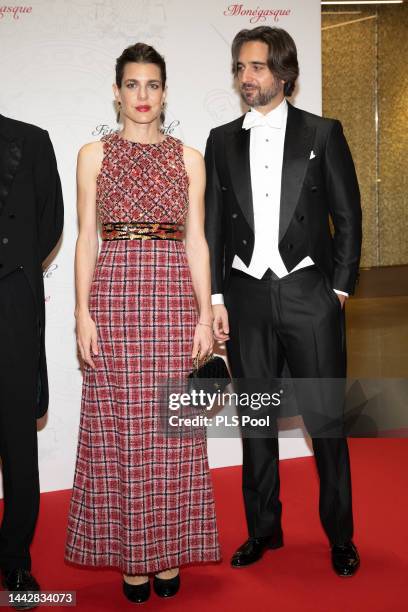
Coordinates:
<point>206,324</point>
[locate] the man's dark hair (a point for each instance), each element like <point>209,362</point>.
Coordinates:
<point>282,56</point>
<point>141,54</point>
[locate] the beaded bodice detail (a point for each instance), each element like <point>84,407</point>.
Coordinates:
<point>142,182</point>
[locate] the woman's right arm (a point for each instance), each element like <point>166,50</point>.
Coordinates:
<point>86,253</point>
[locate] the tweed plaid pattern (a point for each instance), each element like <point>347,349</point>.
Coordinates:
<point>142,502</point>
<point>142,182</point>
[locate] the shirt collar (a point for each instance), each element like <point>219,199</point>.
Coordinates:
<point>276,118</point>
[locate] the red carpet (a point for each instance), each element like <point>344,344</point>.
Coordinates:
<point>297,577</point>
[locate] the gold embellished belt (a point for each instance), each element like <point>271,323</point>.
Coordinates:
<point>142,231</point>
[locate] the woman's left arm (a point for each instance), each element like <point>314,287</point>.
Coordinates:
<point>197,251</point>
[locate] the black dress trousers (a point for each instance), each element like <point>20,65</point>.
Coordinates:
<point>297,319</point>
<point>19,369</point>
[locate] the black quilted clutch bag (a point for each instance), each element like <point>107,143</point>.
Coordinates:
<point>211,375</point>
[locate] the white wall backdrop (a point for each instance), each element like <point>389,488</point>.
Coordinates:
<point>56,70</point>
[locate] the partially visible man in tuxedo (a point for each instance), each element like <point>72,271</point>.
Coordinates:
<point>279,277</point>
<point>31,220</point>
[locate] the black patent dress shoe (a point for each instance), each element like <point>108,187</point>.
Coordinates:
<point>166,587</point>
<point>345,559</point>
<point>22,585</point>
<point>253,549</point>
<point>137,593</point>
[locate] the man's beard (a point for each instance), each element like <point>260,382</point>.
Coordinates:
<point>262,98</point>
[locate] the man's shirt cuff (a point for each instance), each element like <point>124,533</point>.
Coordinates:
<point>217,298</point>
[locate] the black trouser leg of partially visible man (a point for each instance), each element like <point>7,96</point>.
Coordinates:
<point>19,363</point>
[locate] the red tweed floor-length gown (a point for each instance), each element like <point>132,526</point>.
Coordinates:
<point>142,502</point>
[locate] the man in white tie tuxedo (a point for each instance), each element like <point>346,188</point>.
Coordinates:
<point>279,277</point>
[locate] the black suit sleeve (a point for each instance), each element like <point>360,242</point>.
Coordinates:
<point>214,219</point>
<point>50,207</point>
<point>345,209</point>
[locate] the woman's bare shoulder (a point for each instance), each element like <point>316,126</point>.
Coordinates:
<point>90,157</point>
<point>193,159</point>
<point>91,150</point>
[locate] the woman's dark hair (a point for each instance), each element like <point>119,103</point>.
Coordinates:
<point>282,56</point>
<point>141,54</point>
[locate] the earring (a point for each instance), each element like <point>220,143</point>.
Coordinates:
<point>163,113</point>
<point>118,113</point>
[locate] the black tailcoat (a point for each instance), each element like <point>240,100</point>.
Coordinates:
<point>31,215</point>
<point>318,182</point>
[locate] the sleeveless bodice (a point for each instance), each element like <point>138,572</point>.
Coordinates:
<point>142,182</point>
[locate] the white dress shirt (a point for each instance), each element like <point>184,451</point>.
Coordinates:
<point>267,140</point>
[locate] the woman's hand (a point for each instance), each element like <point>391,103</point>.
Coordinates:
<point>203,341</point>
<point>87,339</point>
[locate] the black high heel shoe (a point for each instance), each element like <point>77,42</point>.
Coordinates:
<point>137,593</point>
<point>166,587</point>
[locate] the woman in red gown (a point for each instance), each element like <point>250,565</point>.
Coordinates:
<point>142,501</point>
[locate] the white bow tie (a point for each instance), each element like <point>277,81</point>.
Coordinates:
<point>252,120</point>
